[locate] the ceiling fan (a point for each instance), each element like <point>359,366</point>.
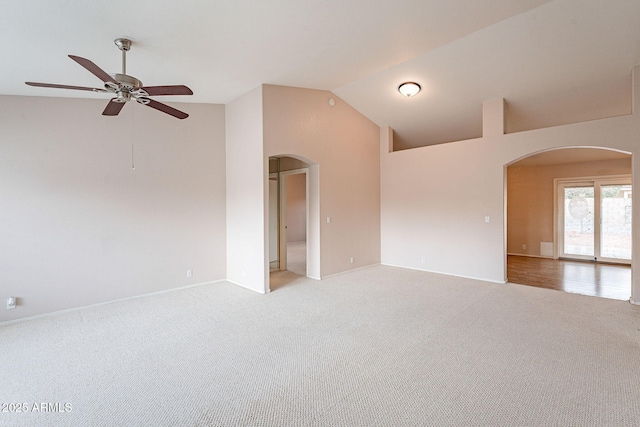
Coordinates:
<point>125,87</point>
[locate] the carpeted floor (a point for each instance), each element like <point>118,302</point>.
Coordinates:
<point>377,346</point>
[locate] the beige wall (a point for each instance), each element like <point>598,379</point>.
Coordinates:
<point>434,199</point>
<point>342,147</point>
<point>530,199</point>
<point>79,226</point>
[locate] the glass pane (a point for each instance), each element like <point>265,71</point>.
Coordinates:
<point>578,221</point>
<point>615,235</point>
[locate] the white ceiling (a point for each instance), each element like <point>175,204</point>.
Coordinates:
<point>554,62</point>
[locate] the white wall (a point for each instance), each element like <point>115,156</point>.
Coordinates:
<point>435,199</point>
<point>342,147</point>
<point>79,226</point>
<point>247,193</point>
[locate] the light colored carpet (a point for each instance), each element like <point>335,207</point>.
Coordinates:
<point>377,346</point>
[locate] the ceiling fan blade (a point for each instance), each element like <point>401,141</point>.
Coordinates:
<point>56,86</point>
<point>164,108</point>
<point>168,90</point>
<point>94,69</point>
<point>113,108</point>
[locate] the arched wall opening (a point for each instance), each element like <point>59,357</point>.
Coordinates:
<point>283,169</point>
<point>535,219</point>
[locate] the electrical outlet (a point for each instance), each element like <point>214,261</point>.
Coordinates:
<point>352,260</point>
<point>11,303</point>
<point>524,247</point>
<point>189,273</point>
<point>423,259</point>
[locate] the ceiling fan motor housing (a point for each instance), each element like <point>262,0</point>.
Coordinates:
<point>127,86</point>
<point>122,97</point>
<point>126,82</point>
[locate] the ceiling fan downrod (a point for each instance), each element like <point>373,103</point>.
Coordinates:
<point>124,45</point>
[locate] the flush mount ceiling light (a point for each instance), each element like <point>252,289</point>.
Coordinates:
<point>409,89</point>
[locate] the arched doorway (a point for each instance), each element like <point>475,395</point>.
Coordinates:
<point>539,249</point>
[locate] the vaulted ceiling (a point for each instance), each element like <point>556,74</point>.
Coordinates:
<point>554,62</point>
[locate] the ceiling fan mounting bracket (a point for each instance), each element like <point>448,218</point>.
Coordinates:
<point>123,44</point>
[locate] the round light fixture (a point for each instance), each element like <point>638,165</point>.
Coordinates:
<point>409,89</point>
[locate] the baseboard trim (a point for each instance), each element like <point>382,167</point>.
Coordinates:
<point>246,287</point>
<point>531,256</point>
<point>349,271</point>
<point>500,282</point>
<point>98,304</point>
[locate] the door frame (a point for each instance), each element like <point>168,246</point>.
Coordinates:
<point>558,213</point>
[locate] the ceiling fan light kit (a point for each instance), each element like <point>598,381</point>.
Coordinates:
<point>124,87</point>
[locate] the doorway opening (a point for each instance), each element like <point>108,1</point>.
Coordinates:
<point>568,223</point>
<point>288,218</point>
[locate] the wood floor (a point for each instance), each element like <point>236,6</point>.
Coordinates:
<point>586,278</point>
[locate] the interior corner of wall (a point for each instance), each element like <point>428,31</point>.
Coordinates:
<point>386,139</point>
